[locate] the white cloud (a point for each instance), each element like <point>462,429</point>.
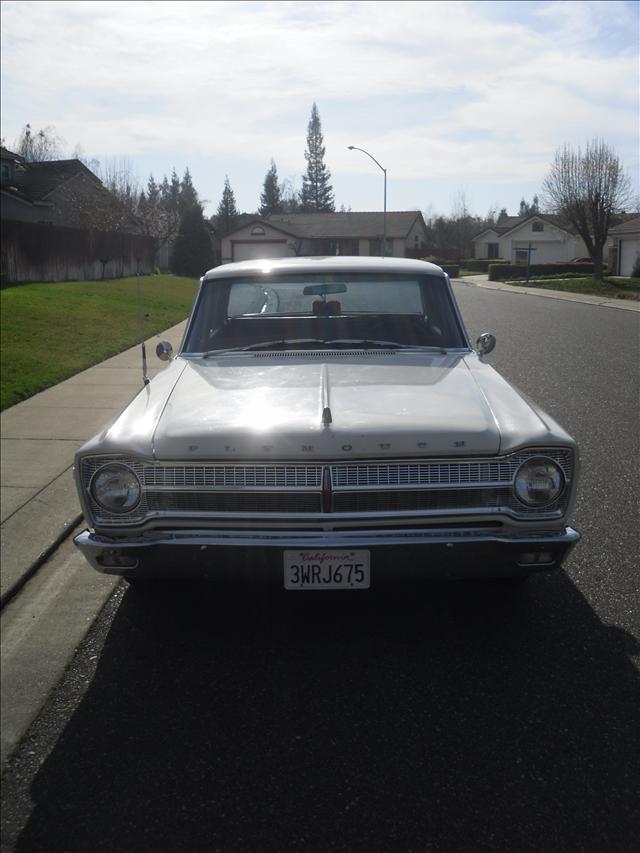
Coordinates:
<point>235,80</point>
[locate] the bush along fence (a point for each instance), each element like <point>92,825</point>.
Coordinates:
<point>500,272</point>
<point>33,252</point>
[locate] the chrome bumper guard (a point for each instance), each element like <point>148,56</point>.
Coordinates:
<point>257,555</point>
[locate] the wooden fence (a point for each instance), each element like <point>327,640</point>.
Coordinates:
<point>32,252</point>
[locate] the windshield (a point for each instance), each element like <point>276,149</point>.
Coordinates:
<point>314,310</point>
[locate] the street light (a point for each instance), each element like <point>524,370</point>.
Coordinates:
<point>384,216</point>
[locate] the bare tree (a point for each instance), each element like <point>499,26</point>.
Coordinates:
<point>118,176</point>
<point>38,146</point>
<point>586,189</point>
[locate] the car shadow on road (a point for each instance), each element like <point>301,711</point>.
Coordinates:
<point>445,717</point>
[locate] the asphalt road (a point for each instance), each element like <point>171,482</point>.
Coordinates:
<point>446,717</point>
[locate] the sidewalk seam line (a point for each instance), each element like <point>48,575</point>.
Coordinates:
<point>39,492</point>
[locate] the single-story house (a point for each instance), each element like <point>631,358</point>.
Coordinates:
<point>287,234</point>
<point>550,240</point>
<point>624,246</point>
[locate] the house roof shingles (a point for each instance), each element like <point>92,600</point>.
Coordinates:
<point>41,179</point>
<point>508,223</point>
<point>629,226</point>
<point>351,225</point>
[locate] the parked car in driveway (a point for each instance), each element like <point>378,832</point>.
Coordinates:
<point>326,424</point>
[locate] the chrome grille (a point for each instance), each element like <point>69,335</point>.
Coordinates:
<point>326,354</point>
<point>442,499</point>
<point>419,473</point>
<point>472,485</point>
<point>233,476</point>
<point>254,502</point>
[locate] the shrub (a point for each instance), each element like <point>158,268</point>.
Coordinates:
<point>500,272</point>
<point>480,264</point>
<point>451,268</point>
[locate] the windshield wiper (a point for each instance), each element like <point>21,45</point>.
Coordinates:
<point>366,343</point>
<point>280,344</point>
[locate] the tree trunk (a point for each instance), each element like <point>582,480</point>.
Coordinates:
<point>597,263</point>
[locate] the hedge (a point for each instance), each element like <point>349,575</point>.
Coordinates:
<point>452,269</point>
<point>500,272</point>
<point>480,264</point>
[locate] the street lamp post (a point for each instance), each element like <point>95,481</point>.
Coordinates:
<point>384,215</point>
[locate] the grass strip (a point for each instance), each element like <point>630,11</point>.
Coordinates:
<point>53,330</point>
<point>612,288</point>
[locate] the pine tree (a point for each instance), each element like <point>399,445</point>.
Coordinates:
<point>317,192</point>
<point>193,250</point>
<point>173,201</point>
<point>227,212</point>
<point>165,193</point>
<point>188,194</point>
<point>271,198</point>
<point>153,192</point>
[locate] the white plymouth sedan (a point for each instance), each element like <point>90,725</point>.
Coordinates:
<point>326,424</point>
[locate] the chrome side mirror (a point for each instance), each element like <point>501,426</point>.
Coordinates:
<point>164,351</point>
<point>485,343</point>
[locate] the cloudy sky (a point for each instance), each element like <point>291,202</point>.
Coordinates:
<point>451,97</point>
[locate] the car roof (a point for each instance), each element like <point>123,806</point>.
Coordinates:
<point>338,263</point>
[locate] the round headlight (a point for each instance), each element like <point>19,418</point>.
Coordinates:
<point>115,487</point>
<point>539,481</point>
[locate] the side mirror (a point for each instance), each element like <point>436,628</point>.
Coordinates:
<point>485,343</point>
<point>164,351</point>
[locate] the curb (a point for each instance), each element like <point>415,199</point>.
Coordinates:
<point>30,571</point>
<point>564,295</point>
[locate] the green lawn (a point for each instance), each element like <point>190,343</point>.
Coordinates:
<point>52,330</point>
<point>612,287</point>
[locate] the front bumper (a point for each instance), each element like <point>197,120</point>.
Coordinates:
<point>396,555</point>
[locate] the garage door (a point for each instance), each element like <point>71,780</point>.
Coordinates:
<point>629,251</point>
<point>249,250</point>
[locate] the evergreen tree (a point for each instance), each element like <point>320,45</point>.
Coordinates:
<point>227,212</point>
<point>153,192</point>
<point>188,195</point>
<point>193,250</point>
<point>173,200</point>
<point>271,198</point>
<point>317,192</point>
<point>527,209</point>
<point>165,193</point>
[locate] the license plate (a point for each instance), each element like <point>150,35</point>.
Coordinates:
<point>327,569</point>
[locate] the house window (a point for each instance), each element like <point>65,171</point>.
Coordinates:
<point>522,256</point>
<point>6,171</point>
<point>493,250</point>
<point>537,226</point>
<point>258,231</point>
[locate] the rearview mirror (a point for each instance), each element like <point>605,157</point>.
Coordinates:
<point>323,289</point>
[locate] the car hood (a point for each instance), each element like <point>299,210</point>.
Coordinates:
<point>259,407</point>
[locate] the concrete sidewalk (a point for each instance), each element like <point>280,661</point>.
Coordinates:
<point>39,505</point>
<point>585,298</point>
